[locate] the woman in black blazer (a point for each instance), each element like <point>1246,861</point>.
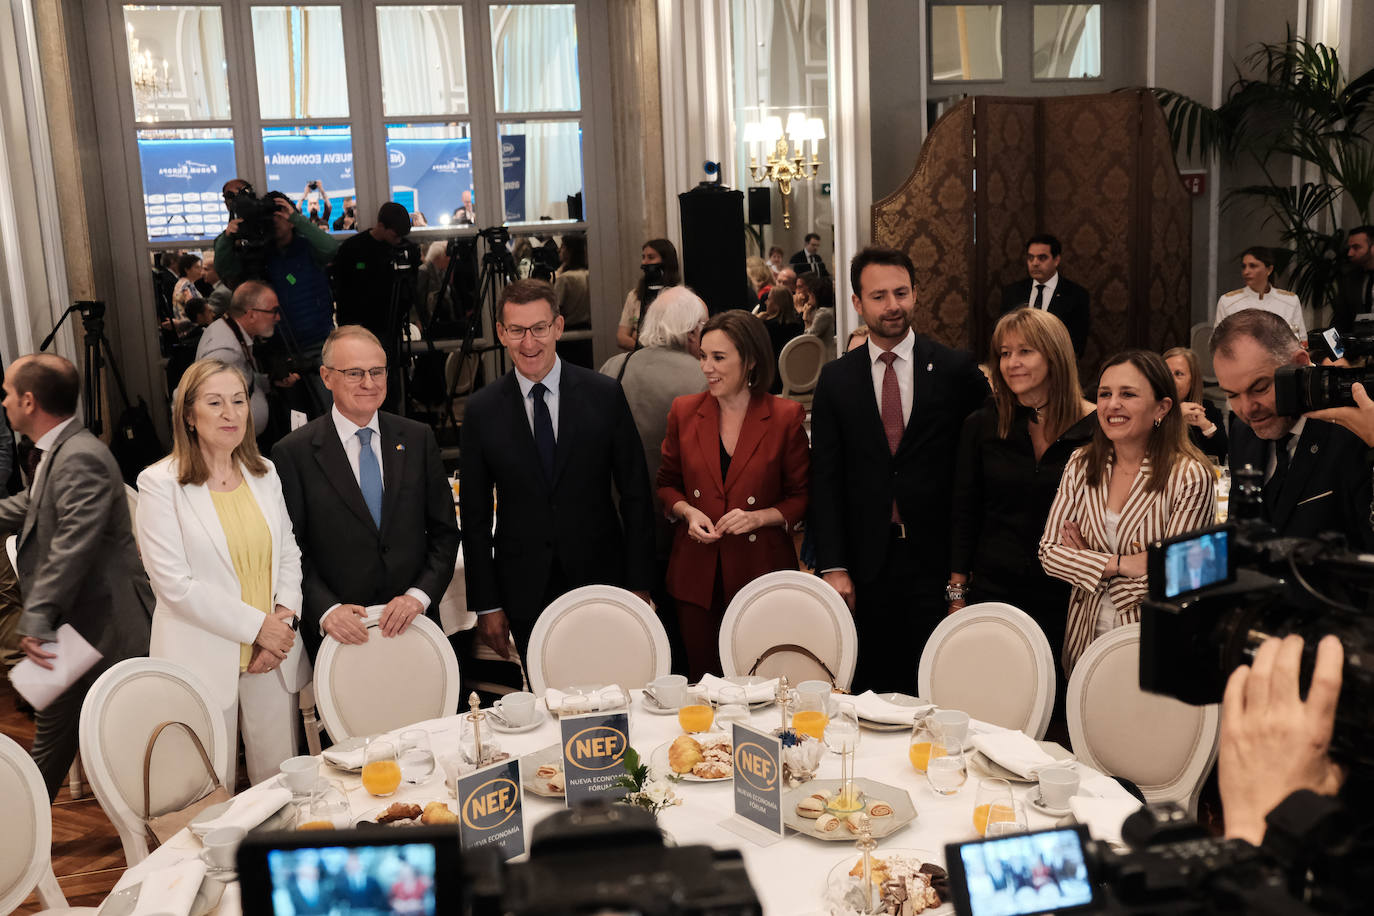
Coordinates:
<point>1205,426</point>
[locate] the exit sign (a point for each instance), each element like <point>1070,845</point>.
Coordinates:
<point>825,189</point>
<point>1195,183</point>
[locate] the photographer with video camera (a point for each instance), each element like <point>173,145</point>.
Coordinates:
<point>363,275</point>
<point>314,201</point>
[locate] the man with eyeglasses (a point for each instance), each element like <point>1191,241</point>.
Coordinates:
<point>558,445</point>
<point>370,506</point>
<point>252,315</point>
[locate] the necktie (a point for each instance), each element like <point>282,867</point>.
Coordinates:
<point>891,409</point>
<point>370,476</point>
<point>1039,295</point>
<point>1275,483</point>
<point>544,439</point>
<point>31,460</point>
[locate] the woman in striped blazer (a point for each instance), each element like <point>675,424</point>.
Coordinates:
<point>1140,479</point>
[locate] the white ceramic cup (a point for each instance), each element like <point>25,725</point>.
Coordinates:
<point>1057,786</point>
<point>221,845</point>
<point>670,690</point>
<point>821,688</point>
<point>299,774</point>
<point>952,723</point>
<point>516,708</point>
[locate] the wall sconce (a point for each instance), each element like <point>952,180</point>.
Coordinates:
<point>783,153</point>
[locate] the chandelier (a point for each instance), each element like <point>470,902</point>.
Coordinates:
<point>150,80</point>
<point>784,153</point>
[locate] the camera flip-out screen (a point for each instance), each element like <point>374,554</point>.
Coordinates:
<point>1190,563</point>
<point>1039,872</point>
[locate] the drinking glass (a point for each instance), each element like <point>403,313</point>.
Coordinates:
<point>925,743</point>
<point>732,706</point>
<point>811,710</point>
<point>696,714</point>
<point>417,759</point>
<point>842,737</point>
<point>381,772</point>
<point>327,808</point>
<point>947,771</point>
<point>1015,822</point>
<point>992,803</point>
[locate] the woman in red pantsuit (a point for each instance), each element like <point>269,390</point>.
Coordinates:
<point>734,478</point>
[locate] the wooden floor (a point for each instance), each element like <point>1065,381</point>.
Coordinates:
<point>86,854</point>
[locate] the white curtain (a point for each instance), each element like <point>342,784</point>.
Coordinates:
<point>424,66</point>
<point>313,85</point>
<point>272,49</point>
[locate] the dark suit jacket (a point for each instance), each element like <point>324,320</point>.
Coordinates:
<point>345,558</point>
<point>1328,484</point>
<point>854,476</point>
<point>1069,304</point>
<point>769,469</point>
<point>801,265</point>
<point>573,520</point>
<point>1349,299</point>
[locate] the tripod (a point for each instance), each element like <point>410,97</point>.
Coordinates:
<point>96,355</point>
<point>497,269</point>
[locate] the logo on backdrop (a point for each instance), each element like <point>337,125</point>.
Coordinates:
<point>598,748</point>
<point>395,158</point>
<point>187,169</point>
<point>491,804</point>
<point>757,766</point>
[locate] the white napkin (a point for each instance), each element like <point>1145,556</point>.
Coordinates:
<point>351,759</point>
<point>172,889</point>
<point>874,708</point>
<point>605,699</point>
<point>1016,751</point>
<point>753,693</point>
<point>249,810</point>
<point>1103,816</point>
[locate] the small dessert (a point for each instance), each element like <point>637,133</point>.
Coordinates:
<point>854,823</point>
<point>879,809</point>
<point>905,885</point>
<point>436,812</point>
<point>810,807</point>
<point>399,811</point>
<point>827,823</point>
<point>547,771</point>
<point>555,783</point>
<point>683,754</point>
<point>716,757</point>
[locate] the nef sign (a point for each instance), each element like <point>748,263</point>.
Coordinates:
<point>758,790</point>
<point>597,748</point>
<point>755,765</point>
<point>490,806</point>
<point>593,750</point>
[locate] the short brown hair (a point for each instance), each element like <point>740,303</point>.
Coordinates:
<point>51,380</point>
<point>877,254</point>
<point>246,296</point>
<point>750,338</point>
<point>522,292</point>
<point>1267,329</point>
<point>188,462</point>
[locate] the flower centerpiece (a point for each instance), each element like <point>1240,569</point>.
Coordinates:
<point>648,788</point>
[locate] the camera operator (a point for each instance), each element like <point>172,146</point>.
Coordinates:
<point>363,275</point>
<point>1316,474</point>
<point>348,221</point>
<point>318,208</point>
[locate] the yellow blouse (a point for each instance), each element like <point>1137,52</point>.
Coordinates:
<point>250,549</point>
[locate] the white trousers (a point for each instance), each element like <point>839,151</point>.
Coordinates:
<point>267,712</point>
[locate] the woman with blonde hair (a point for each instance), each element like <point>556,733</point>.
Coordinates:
<point>1206,428</point>
<point>217,544</point>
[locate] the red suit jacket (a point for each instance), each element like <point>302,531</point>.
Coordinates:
<point>770,468</point>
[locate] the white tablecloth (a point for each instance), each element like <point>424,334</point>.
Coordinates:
<point>787,876</point>
<point>453,606</point>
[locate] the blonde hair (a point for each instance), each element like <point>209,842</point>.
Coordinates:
<point>1194,393</point>
<point>759,273</point>
<point>187,458</point>
<point>1045,334</point>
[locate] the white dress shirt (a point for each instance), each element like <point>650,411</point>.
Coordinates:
<point>551,397</point>
<point>45,443</point>
<point>901,365</point>
<point>1050,285</point>
<point>1273,462</point>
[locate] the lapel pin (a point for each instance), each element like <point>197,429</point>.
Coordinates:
<point>930,367</point>
<point>400,447</point>
<point>1314,448</point>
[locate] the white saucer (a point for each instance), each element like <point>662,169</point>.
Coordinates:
<point>530,726</point>
<point>222,875</point>
<point>652,706</point>
<point>1033,799</point>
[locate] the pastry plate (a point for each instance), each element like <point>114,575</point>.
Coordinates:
<point>279,820</point>
<point>898,699</point>
<point>903,811</point>
<point>125,900</point>
<point>530,726</point>
<point>534,760</point>
<point>659,759</point>
<point>987,768</point>
<point>369,818</point>
<point>347,744</point>
<point>840,873</point>
<point>1033,799</point>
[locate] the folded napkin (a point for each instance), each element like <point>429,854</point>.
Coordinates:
<point>607,698</point>
<point>172,889</point>
<point>1103,816</point>
<point>249,810</point>
<point>874,708</point>
<point>753,693</point>
<point>1016,751</point>
<point>345,758</point>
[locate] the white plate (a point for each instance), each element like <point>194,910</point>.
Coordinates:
<point>534,760</point>
<point>370,817</point>
<point>659,759</point>
<point>897,699</point>
<point>273,821</point>
<point>983,765</point>
<point>534,723</point>
<point>842,868</point>
<point>123,902</point>
<point>1033,799</point>
<point>652,706</point>
<point>347,744</point>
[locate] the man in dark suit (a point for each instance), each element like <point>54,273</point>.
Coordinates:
<point>885,427</point>
<point>76,559</point>
<point>558,444</point>
<point>809,258</point>
<point>1355,295</point>
<point>1316,476</point>
<point>370,505</point>
<point>1046,289</point>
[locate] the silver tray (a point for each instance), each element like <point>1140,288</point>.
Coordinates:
<point>903,811</point>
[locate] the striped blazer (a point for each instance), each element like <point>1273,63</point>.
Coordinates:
<point>1188,502</point>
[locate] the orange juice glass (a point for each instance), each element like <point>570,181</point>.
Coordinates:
<point>316,825</point>
<point>695,714</point>
<point>920,753</point>
<point>811,722</point>
<point>992,803</point>
<point>381,772</point>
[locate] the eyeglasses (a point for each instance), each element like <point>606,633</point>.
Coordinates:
<point>540,331</point>
<point>275,311</point>
<point>377,373</point>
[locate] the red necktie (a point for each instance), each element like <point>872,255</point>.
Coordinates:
<point>891,409</point>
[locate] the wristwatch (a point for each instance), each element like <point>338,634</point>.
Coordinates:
<point>955,592</point>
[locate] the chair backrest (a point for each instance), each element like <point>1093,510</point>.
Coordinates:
<point>384,684</point>
<point>1162,745</point>
<point>1199,341</point>
<point>597,634</point>
<point>122,709</point>
<point>131,496</point>
<point>12,551</point>
<point>794,608</point>
<point>993,662</point>
<point>26,841</point>
<point>800,362</point>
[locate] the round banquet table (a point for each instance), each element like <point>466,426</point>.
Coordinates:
<point>787,876</point>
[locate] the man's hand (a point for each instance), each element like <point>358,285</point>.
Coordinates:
<point>1358,419</point>
<point>494,630</point>
<point>1273,743</point>
<point>345,623</point>
<point>839,580</point>
<point>275,636</point>
<point>398,614</point>
<point>233,227</point>
<point>33,648</point>
<point>288,381</point>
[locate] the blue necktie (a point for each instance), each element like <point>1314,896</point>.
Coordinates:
<point>543,430</point>
<point>370,476</point>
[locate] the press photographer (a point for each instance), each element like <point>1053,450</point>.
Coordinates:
<point>363,274</point>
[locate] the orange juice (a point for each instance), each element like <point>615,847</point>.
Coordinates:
<point>381,777</point>
<point>997,812</point>
<point>811,722</point>
<point>316,825</point>
<point>695,718</point>
<point>920,753</point>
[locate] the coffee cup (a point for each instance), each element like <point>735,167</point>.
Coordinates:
<point>221,845</point>
<point>299,774</point>
<point>516,708</point>
<point>952,724</point>
<point>1057,786</point>
<point>821,689</point>
<point>670,690</point>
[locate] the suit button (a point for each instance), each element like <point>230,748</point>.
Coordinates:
<point>696,494</point>
<point>750,500</point>
<point>753,538</point>
<point>386,549</point>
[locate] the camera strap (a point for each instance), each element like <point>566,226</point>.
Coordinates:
<point>247,347</point>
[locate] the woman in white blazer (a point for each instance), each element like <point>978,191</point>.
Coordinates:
<point>218,547</point>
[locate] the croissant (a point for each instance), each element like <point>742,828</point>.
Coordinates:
<point>684,753</point>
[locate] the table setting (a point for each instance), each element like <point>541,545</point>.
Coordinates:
<point>867,781</point>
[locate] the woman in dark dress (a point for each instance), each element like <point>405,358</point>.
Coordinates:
<point>1206,428</point>
<point>1011,457</point>
<point>782,322</point>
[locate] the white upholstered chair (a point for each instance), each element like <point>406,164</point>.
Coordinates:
<point>1164,746</point>
<point>122,709</point>
<point>789,608</point>
<point>597,634</point>
<point>1200,342</point>
<point>799,366</point>
<point>993,662</point>
<point>26,841</point>
<point>385,683</point>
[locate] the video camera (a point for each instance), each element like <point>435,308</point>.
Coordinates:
<point>1299,389</point>
<point>256,231</point>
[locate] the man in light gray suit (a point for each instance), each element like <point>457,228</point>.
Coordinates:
<point>77,561</point>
